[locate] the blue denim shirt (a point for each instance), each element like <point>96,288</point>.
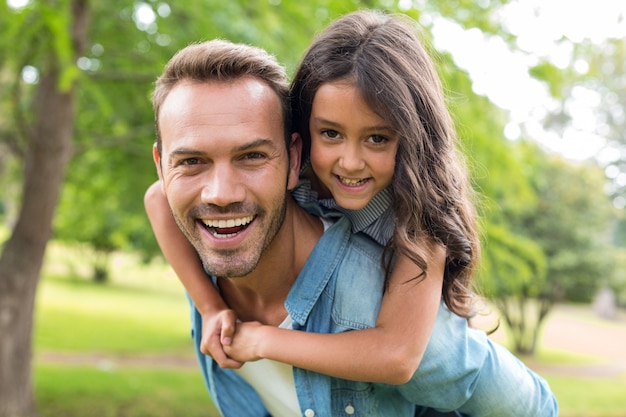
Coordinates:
<point>340,289</point>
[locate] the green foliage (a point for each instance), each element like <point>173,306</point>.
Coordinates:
<point>607,78</point>
<point>552,75</point>
<point>556,249</point>
<point>468,13</point>
<point>573,217</point>
<point>513,265</point>
<point>496,171</point>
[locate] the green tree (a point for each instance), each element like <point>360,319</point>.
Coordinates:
<point>572,224</point>
<point>515,268</point>
<point>52,35</point>
<point>557,248</point>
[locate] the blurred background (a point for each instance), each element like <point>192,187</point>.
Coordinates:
<point>92,320</point>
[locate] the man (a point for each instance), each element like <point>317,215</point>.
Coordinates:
<point>226,161</point>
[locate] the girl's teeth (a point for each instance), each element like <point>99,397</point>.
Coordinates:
<point>350,182</point>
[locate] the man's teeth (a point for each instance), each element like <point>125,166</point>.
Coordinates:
<point>351,182</point>
<point>220,224</point>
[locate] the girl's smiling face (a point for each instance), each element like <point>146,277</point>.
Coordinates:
<point>353,150</point>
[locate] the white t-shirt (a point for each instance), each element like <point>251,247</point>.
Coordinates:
<point>273,380</point>
<point>274,383</point>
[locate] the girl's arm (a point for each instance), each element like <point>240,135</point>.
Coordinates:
<point>389,353</point>
<point>218,319</point>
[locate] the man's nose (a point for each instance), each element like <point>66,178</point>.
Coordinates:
<point>222,186</point>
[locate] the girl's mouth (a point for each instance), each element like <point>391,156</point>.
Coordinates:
<point>351,182</point>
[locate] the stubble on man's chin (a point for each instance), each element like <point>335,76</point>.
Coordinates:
<point>228,267</point>
<point>239,262</point>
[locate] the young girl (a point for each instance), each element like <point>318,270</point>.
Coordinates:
<point>382,149</point>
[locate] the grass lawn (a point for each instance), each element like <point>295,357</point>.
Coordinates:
<point>581,396</point>
<point>80,391</point>
<point>589,396</point>
<point>142,313</point>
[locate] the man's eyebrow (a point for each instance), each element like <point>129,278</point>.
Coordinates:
<point>242,148</point>
<point>255,144</point>
<point>185,152</point>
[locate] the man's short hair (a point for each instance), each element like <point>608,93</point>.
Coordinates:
<point>220,60</point>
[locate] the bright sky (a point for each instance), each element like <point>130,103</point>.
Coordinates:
<point>503,75</point>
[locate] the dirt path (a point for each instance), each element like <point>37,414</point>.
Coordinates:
<point>569,328</point>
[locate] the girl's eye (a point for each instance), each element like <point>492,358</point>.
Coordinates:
<point>331,134</point>
<point>377,139</point>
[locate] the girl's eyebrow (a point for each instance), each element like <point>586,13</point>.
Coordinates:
<point>325,121</point>
<point>383,127</point>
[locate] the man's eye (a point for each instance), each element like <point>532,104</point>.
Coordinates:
<point>190,161</point>
<point>254,156</point>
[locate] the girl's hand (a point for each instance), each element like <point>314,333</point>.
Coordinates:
<point>245,346</point>
<point>217,332</point>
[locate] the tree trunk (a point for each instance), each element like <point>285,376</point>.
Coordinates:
<point>49,149</point>
<point>524,317</point>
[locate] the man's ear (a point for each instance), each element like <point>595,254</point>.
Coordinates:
<point>157,160</point>
<point>295,153</point>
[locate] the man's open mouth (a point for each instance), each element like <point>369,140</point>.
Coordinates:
<point>227,228</point>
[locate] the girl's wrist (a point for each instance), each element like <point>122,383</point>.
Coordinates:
<point>263,335</point>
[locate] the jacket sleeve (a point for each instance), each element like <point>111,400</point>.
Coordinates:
<point>464,370</point>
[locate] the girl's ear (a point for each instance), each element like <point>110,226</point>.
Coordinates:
<point>295,153</point>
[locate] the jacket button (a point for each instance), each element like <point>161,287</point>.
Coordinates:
<point>349,409</point>
<point>309,413</point>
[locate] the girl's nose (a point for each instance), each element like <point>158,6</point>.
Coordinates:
<point>351,160</point>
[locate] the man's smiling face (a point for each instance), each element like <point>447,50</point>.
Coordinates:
<point>225,169</point>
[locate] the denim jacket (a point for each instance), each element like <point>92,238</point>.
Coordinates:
<point>340,289</point>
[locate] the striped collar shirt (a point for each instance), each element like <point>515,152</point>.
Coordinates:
<point>376,219</point>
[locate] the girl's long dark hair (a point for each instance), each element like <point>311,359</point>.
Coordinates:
<point>385,59</point>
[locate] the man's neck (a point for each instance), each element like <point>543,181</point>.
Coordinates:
<point>260,296</point>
